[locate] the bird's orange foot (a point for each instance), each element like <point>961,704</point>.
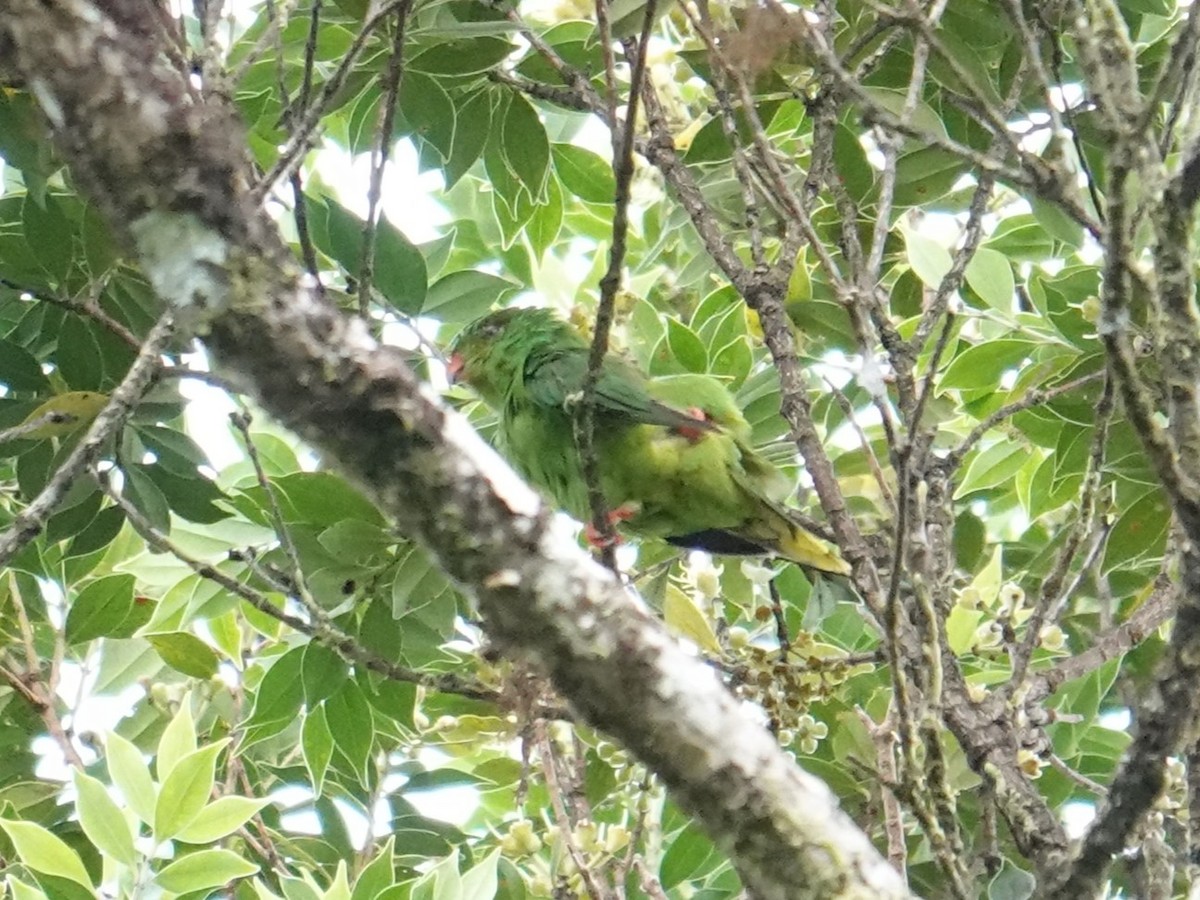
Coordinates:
<point>622,513</point>
<point>690,433</point>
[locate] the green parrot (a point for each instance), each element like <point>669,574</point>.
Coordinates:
<point>673,454</point>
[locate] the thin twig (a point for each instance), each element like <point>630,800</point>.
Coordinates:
<point>302,134</point>
<point>1034,398</point>
<point>325,633</point>
<point>379,157</point>
<point>609,285</point>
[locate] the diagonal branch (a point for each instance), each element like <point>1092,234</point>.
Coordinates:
<point>210,251</point>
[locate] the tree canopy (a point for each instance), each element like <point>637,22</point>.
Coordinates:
<point>328,645</point>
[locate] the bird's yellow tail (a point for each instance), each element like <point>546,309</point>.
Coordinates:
<point>799,545</point>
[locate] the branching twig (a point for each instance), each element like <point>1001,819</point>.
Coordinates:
<point>32,519</point>
<point>324,632</point>
<point>1037,397</point>
<point>302,132</point>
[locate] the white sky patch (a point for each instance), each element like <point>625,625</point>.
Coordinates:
<point>1077,817</point>
<point>408,197</point>
<point>206,414</point>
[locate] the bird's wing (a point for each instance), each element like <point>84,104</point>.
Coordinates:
<point>555,379</point>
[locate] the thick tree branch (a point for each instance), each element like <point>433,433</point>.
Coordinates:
<point>168,172</point>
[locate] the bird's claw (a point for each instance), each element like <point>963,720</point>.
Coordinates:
<point>592,535</point>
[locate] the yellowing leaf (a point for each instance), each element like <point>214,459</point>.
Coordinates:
<point>960,628</point>
<point>685,619</point>
<point>799,286</point>
<point>987,583</point>
<point>61,415</point>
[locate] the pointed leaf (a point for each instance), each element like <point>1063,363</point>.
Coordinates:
<point>220,818</point>
<point>185,791</point>
<point>206,869</point>
<point>178,739</point>
<point>44,851</point>
<point>131,775</point>
<point>102,820</point>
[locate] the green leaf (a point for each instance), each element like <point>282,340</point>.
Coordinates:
<point>205,869</point>
<point>474,124</point>
<point>19,370</point>
<point>853,168</point>
<point>465,296</point>
<point>399,270</point>
<point>1056,222</point>
<point>378,874</point>
<point>466,56</point>
<point>546,221</point>
<point>1139,531</point>
<point>990,275</point>
<point>316,743</point>
<point>444,880</point>
<point>926,175</point>
<point>178,739</point>
<point>961,625</point>
<point>526,147</point>
<point>78,355</point>
<point>685,854</point>
<point>102,820</point>
<point>1011,883</point>
<point>74,517</point>
<point>174,449</point>
<point>356,541</point>
<point>22,891</point>
<point>131,775</point>
<point>100,533</point>
<point>145,496</point>
<point>480,881</point>
<point>428,111</point>
<point>100,608</point>
<point>351,723</point>
<point>993,466</point>
<point>1021,238</point>
<point>49,234</point>
<point>982,365</point>
<point>686,347</point>
<point>416,583</point>
<point>222,817</point>
<point>684,618</point>
<point>584,174</point>
<point>322,673</point>
<point>929,259</point>
<point>734,361</point>
<point>924,117</point>
<point>44,851</point>
<point>185,653</point>
<point>279,695</point>
<point>185,791</point>
<point>323,499</point>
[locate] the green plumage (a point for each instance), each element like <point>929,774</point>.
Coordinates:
<point>674,453</point>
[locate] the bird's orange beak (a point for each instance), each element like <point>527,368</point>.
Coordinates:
<point>454,367</point>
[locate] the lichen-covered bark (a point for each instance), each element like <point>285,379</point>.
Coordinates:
<point>167,168</point>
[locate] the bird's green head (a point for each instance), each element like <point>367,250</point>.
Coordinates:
<point>490,353</point>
